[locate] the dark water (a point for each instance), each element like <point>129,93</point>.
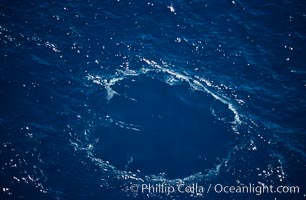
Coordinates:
<point>99,95</point>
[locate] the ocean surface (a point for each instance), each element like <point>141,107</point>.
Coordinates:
<point>99,96</point>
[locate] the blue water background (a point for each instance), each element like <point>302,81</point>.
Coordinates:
<point>85,82</point>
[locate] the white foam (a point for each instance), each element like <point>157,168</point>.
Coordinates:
<point>195,84</point>
<point>171,8</point>
<point>106,83</point>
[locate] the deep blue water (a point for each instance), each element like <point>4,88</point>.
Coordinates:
<point>99,95</point>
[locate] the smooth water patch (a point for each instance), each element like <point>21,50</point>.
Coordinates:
<point>161,129</point>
